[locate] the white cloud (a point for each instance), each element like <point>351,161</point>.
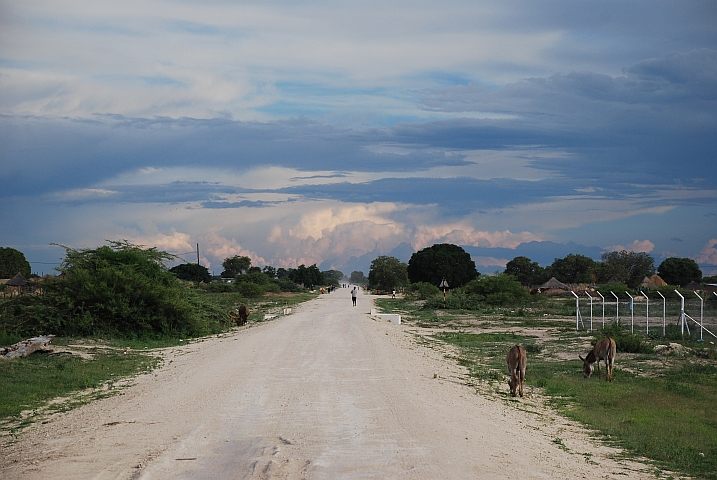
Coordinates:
<point>637,246</point>
<point>490,262</point>
<point>465,234</point>
<point>708,254</point>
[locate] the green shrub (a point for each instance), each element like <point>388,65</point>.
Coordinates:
<point>217,287</point>
<point>286,285</point>
<point>116,290</point>
<point>625,341</point>
<point>618,288</point>
<point>497,290</point>
<point>253,277</point>
<point>422,290</point>
<point>249,289</point>
<point>455,300</point>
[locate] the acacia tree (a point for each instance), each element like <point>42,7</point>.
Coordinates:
<point>13,262</point>
<point>679,271</point>
<point>192,272</point>
<point>444,260</point>
<point>387,273</point>
<point>333,277</point>
<point>235,265</point>
<point>525,271</point>
<point>625,267</point>
<point>358,278</point>
<point>308,276</point>
<point>574,268</point>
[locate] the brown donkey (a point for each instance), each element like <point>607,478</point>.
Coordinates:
<point>604,350</point>
<point>517,361</point>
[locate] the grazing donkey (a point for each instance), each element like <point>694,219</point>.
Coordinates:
<point>517,361</point>
<point>604,350</point>
<point>243,315</point>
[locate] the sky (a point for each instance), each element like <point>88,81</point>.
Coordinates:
<point>332,132</point>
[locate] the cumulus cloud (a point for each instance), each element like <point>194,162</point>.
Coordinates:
<point>637,246</point>
<point>490,262</point>
<point>464,234</point>
<point>708,254</point>
<point>220,248</point>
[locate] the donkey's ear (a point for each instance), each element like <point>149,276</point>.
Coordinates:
<point>581,358</point>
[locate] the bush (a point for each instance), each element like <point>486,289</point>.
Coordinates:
<point>625,341</point>
<point>422,290</point>
<point>497,290</point>
<point>456,301</point>
<point>217,287</point>
<point>117,290</point>
<point>249,289</point>
<point>618,288</point>
<point>286,285</point>
<point>253,277</point>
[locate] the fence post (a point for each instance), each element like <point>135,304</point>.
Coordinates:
<point>617,308</point>
<point>632,313</point>
<point>591,309</point>
<point>603,308</point>
<point>577,310</point>
<point>664,308</point>
<point>647,313</point>
<point>702,304</point>
<point>682,313</point>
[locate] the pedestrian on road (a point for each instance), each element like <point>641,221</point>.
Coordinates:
<point>353,295</point>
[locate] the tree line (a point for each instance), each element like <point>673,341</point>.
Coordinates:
<point>121,289</point>
<point>453,264</point>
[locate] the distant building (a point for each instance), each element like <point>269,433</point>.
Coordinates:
<point>553,287</point>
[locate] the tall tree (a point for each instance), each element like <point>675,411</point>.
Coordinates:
<point>13,262</point>
<point>679,271</point>
<point>269,271</point>
<point>358,278</point>
<point>525,271</point>
<point>574,268</point>
<point>235,265</point>
<point>308,276</point>
<point>387,273</point>
<point>626,267</point>
<point>335,274</point>
<point>192,272</point>
<point>444,260</point>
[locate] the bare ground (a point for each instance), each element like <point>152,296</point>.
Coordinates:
<point>327,392</point>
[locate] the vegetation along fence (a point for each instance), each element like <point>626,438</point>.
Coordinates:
<point>651,314</point>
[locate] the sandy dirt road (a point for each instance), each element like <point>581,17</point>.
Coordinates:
<point>325,393</point>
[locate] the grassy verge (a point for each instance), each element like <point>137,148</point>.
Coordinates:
<point>656,407</point>
<point>29,383</point>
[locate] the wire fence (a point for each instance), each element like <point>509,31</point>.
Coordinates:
<point>651,316</point>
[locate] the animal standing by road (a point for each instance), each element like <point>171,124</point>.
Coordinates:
<point>604,350</point>
<point>242,315</point>
<point>517,360</point>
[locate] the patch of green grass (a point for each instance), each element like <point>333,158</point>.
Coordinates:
<point>29,382</point>
<point>667,417</point>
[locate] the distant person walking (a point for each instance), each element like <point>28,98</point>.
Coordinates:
<point>354,292</point>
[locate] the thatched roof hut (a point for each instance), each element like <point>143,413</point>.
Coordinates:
<point>17,281</point>
<point>554,283</point>
<point>653,282</point>
<point>693,286</point>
